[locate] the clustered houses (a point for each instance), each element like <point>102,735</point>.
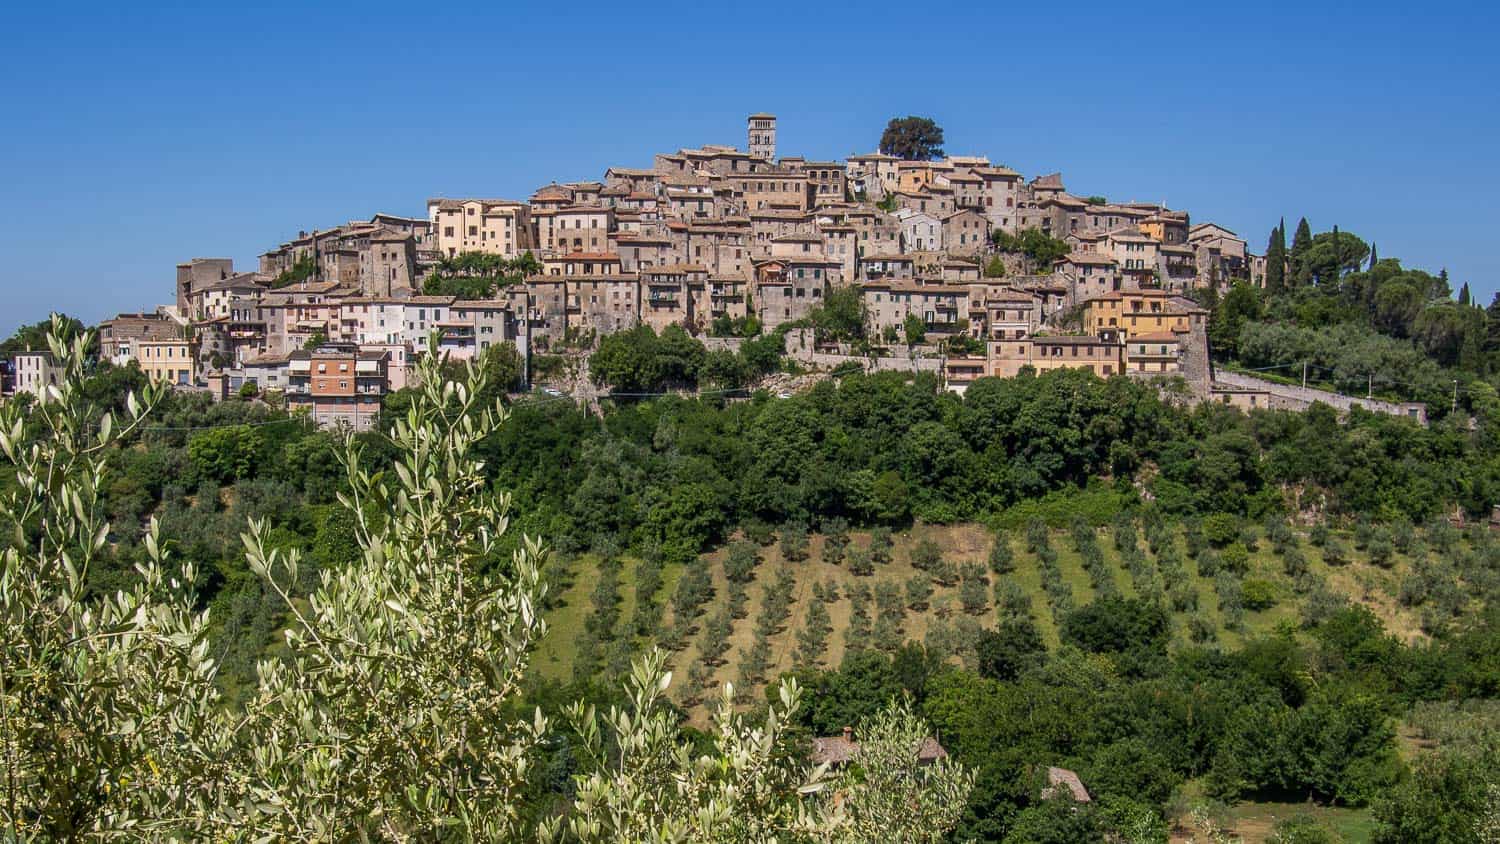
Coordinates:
<point>334,317</point>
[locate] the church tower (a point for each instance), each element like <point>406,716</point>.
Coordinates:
<point>763,136</point>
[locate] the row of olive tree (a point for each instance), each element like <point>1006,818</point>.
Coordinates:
<point>393,715</point>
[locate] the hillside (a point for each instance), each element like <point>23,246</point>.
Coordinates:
<point>1199,612</point>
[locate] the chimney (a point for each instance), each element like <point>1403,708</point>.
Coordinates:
<point>848,735</point>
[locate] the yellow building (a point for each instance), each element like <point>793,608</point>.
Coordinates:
<point>173,361</point>
<point>1140,312</point>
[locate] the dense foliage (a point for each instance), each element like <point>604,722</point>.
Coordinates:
<point>912,138</point>
<point>478,275</point>
<point>1360,323</point>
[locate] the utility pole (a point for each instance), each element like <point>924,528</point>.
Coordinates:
<point>1304,375</point>
<point>1370,386</point>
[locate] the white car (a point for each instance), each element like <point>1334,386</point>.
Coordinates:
<point>552,391</point>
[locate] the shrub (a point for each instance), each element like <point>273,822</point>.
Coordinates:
<point>1236,558</point>
<point>1002,559</point>
<point>794,542</point>
<point>881,546</point>
<point>925,555</point>
<point>918,591</point>
<point>1258,595</point>
<point>860,562</point>
<point>741,562</point>
<point>1220,529</point>
<point>1319,535</point>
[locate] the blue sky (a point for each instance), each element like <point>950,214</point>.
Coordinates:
<point>136,137</point>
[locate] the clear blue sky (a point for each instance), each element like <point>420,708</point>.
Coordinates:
<point>136,137</point>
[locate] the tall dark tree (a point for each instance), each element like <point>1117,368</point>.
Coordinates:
<point>1463,295</point>
<point>1276,259</point>
<point>1301,242</point>
<point>1374,256</point>
<point>912,138</point>
<point>1492,326</point>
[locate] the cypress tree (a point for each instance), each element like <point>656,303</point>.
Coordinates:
<point>1301,242</point>
<point>1374,255</point>
<point>1276,259</point>
<point>1463,295</point>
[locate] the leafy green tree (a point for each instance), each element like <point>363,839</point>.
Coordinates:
<point>1240,305</point>
<point>918,591</point>
<point>912,139</point>
<point>1041,250</point>
<point>227,454</point>
<point>995,268</point>
<point>1009,650</point>
<point>1331,255</point>
<point>841,317</point>
<point>915,329</point>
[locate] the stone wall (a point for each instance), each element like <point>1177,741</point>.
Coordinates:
<point>1293,397</point>
<point>800,347</point>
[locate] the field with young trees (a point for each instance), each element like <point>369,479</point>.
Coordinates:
<point>793,600</point>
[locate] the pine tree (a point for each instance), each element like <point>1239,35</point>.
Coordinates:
<point>1463,295</point>
<point>1301,242</point>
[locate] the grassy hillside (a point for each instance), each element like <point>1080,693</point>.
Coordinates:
<point>1201,604</point>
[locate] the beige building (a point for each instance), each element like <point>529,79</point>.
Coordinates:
<point>1098,355</point>
<point>668,296</point>
<point>603,303</point>
<point>829,181</point>
<point>1150,312</point>
<point>1088,275</point>
<point>772,189</point>
<point>1158,353</point>
<point>966,232</point>
<point>787,289</point>
<point>999,195</point>
<point>118,336</point>
<point>889,303</point>
<point>174,361</point>
<point>492,226</point>
<point>998,312</point>
<point>873,174</point>
<point>35,371</point>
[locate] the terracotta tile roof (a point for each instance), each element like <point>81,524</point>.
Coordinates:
<point>1088,258</point>
<point>1062,778</point>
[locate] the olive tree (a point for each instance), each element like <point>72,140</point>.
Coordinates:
<point>106,703</point>
<point>392,715</point>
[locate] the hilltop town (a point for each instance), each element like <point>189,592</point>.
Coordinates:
<point>965,269</point>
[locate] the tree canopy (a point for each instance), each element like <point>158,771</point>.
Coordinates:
<point>912,139</point>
